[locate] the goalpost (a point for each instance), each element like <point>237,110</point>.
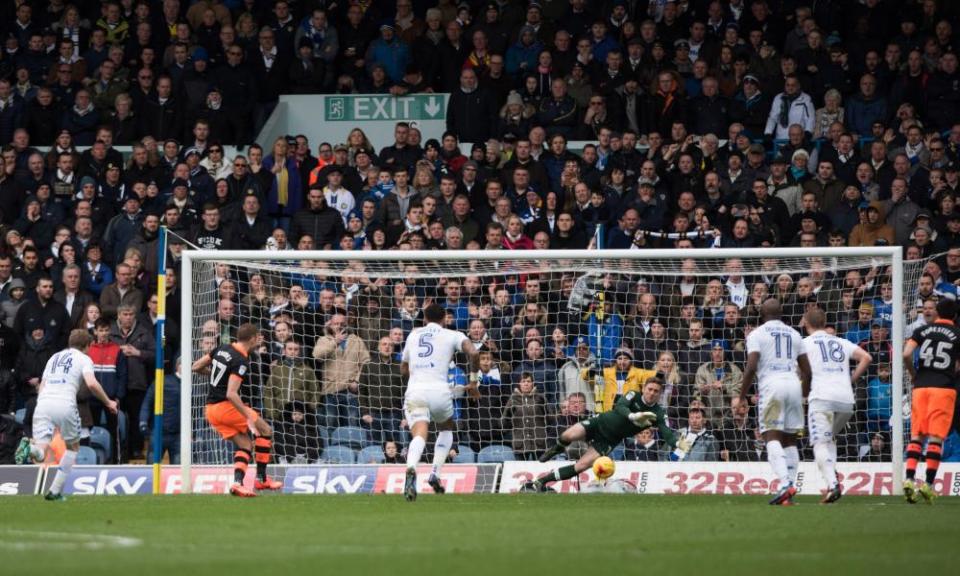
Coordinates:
<point>333,398</point>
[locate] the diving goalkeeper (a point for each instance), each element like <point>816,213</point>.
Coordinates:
<point>631,413</point>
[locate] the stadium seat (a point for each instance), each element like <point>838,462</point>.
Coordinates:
<point>371,455</point>
<point>495,454</point>
<point>100,441</point>
<point>618,453</point>
<point>20,415</point>
<point>350,436</point>
<point>87,456</point>
<point>465,455</point>
<point>339,455</point>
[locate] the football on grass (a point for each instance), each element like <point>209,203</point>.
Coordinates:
<point>603,468</point>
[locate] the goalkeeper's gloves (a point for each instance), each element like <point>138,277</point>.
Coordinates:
<point>643,419</point>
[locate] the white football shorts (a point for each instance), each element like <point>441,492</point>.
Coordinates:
<point>427,406</point>
<point>781,407</point>
<point>827,419</point>
<point>50,416</point>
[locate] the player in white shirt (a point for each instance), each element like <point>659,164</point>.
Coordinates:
<point>426,362</point>
<point>775,353</point>
<point>57,407</point>
<point>831,401</point>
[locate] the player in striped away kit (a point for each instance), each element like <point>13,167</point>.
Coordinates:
<point>775,353</point>
<point>229,369</point>
<point>934,395</point>
<point>57,408</point>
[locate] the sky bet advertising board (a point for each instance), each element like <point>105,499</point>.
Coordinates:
<point>315,479</point>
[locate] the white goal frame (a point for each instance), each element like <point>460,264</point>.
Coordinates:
<point>893,253</point>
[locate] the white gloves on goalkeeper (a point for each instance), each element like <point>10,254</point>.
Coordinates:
<point>643,419</point>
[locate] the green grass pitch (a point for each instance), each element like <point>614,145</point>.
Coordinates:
<point>495,535</point>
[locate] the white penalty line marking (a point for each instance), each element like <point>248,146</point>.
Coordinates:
<point>12,539</point>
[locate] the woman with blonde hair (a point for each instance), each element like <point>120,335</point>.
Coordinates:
<point>671,398</point>
<point>515,117</point>
<point>246,31</point>
<point>357,140</point>
<point>783,288</point>
<point>423,181</point>
<point>285,195</point>
<point>72,26</point>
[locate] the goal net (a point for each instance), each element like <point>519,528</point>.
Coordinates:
<point>562,334</point>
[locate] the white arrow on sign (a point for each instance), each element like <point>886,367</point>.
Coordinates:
<point>433,107</point>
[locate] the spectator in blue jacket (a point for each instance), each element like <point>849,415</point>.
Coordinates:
<point>610,333</point>
<point>880,400</point>
<point>96,275</point>
<point>522,56</point>
<point>860,331</point>
<point>866,108</point>
<point>390,52</point>
<point>455,305</point>
<point>602,44</point>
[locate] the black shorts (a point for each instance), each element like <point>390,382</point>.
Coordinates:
<point>596,438</point>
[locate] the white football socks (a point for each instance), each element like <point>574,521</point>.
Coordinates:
<point>826,463</point>
<point>66,464</point>
<point>37,453</point>
<point>778,461</point>
<point>792,455</point>
<point>440,450</point>
<point>414,451</point>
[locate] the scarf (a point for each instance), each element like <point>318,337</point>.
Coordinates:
<point>283,179</point>
<point>479,60</point>
<point>913,152</point>
<point>785,105</point>
<point>667,99</point>
<point>317,35</point>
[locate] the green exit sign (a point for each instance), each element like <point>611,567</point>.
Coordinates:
<point>390,108</point>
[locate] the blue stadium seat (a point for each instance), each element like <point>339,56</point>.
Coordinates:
<point>87,456</point>
<point>100,441</point>
<point>465,455</point>
<point>618,453</point>
<point>339,455</point>
<point>324,434</point>
<point>495,454</point>
<point>21,415</point>
<point>351,436</point>
<point>371,455</point>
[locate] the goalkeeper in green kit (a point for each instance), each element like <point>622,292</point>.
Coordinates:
<point>631,413</point>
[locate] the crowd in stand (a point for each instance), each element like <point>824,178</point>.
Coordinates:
<point>699,123</point>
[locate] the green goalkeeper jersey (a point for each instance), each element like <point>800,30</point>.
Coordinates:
<point>610,428</point>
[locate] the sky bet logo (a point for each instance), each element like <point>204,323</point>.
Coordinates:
<point>114,481</point>
<point>332,480</point>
